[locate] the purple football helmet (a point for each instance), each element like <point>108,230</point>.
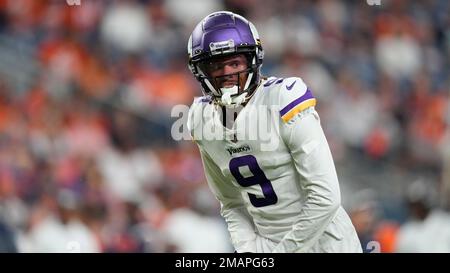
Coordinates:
<point>221,34</point>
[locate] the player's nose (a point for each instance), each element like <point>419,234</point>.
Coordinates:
<point>228,69</point>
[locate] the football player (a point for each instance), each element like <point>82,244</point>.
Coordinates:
<point>276,198</point>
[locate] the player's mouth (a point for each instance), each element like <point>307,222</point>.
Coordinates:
<point>228,83</point>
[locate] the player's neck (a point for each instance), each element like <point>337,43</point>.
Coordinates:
<point>229,115</point>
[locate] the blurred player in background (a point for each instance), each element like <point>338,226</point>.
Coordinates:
<point>283,197</point>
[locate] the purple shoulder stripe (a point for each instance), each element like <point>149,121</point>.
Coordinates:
<point>308,95</point>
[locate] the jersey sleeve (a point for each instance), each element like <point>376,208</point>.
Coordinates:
<point>233,210</point>
<point>294,98</point>
<point>302,133</point>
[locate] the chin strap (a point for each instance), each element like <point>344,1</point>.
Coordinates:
<point>227,100</point>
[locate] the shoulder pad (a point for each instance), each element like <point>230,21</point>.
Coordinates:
<point>294,97</point>
<point>196,113</point>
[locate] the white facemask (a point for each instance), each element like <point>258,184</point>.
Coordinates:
<point>227,100</point>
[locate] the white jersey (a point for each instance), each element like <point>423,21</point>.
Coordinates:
<point>273,173</point>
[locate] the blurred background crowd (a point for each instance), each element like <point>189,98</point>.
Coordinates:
<point>87,161</point>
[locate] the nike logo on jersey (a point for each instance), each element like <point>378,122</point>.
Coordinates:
<point>290,86</point>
